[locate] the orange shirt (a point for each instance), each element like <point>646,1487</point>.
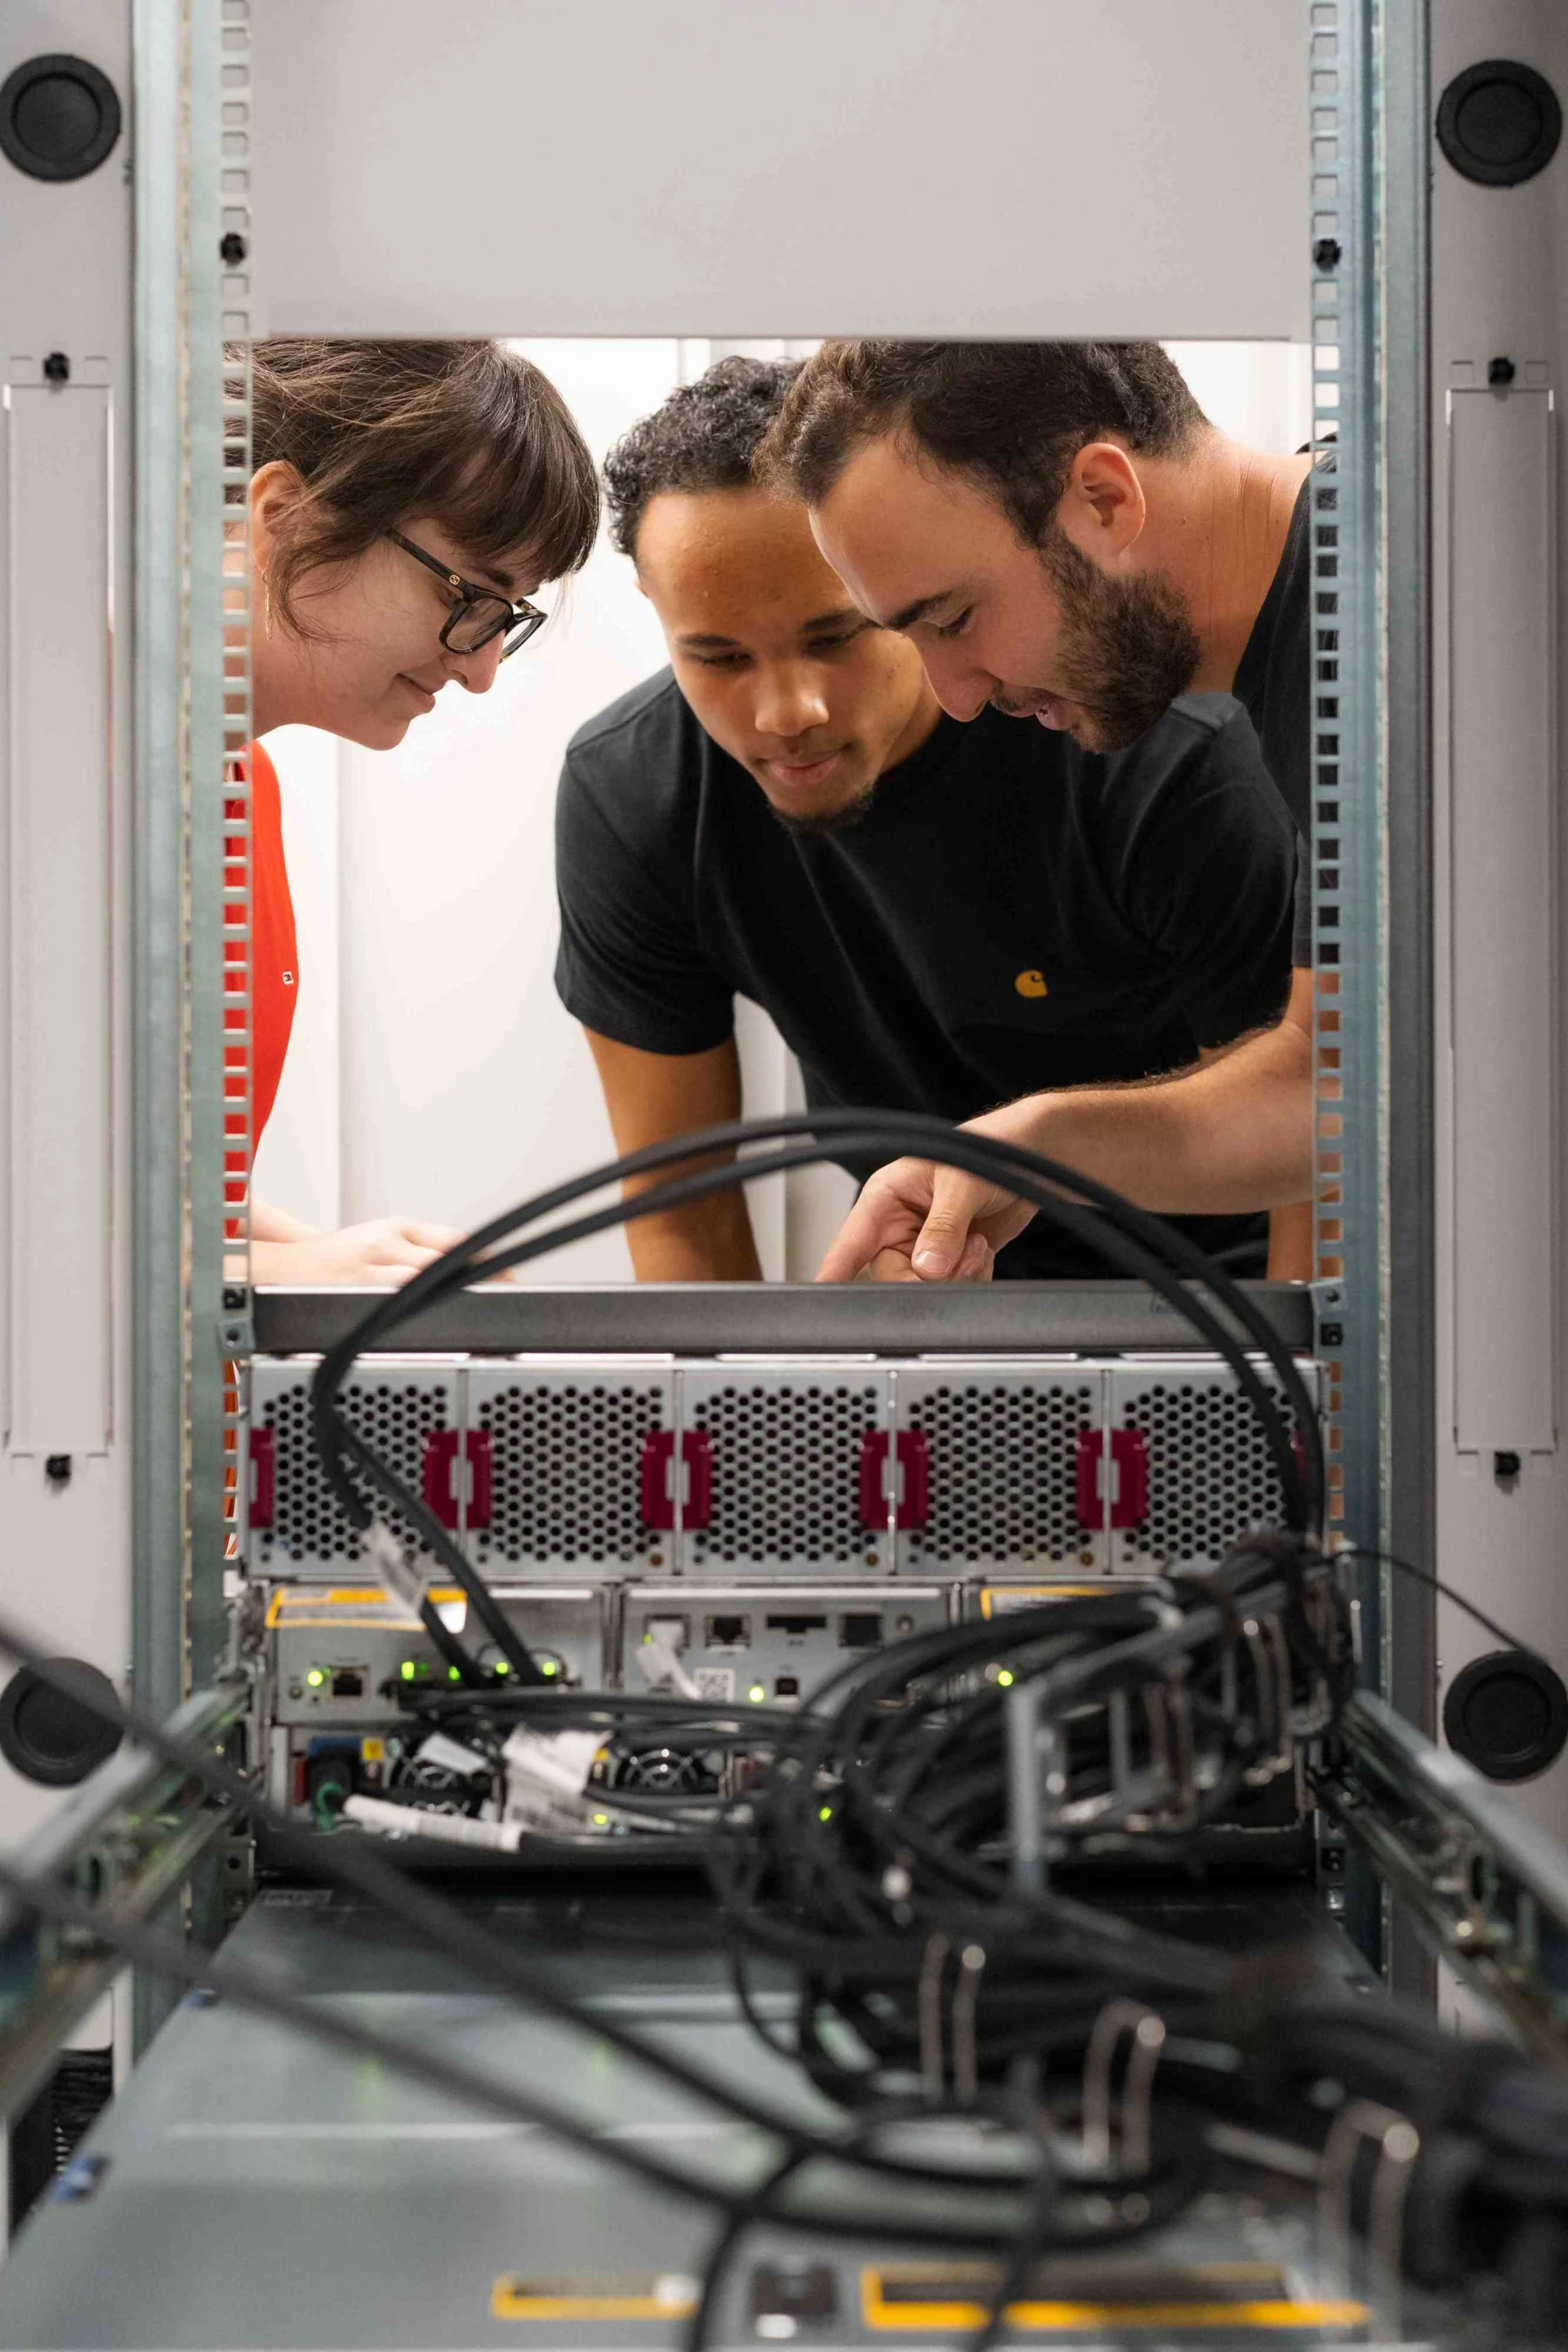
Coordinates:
<point>275,970</point>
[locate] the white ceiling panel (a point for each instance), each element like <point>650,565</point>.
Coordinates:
<point>737,168</point>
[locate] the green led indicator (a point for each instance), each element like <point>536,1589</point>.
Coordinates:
<point>408,1670</point>
<point>1004,1677</point>
<point>316,1678</point>
<point>600,1820</point>
<point>757,1693</point>
<point>454,1673</point>
<point>547,1667</point>
<point>502,1667</point>
<point>826,1813</point>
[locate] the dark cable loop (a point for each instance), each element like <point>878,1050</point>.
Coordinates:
<point>1134,1237</point>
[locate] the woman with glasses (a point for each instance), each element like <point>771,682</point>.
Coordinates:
<point>406,499</point>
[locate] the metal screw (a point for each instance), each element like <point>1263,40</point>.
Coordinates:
<point>1499,371</point>
<point>233,1299</point>
<point>1506,1463</point>
<point>56,368</point>
<point>232,248</point>
<point>1332,1335</point>
<point>1326,253</point>
<point>58,1469</point>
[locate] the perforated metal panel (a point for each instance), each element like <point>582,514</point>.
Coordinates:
<point>566,1451</point>
<point>1001,1445</point>
<point>786,1451</point>
<point>1210,1477</point>
<point>395,1403</point>
<point>783,1470</point>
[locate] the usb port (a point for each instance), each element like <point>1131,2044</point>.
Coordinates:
<point>861,1629</point>
<point>348,1682</point>
<point>787,1686</point>
<point>729,1633</point>
<point>798,1628</point>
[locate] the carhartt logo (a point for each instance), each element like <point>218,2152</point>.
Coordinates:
<point>1031,983</point>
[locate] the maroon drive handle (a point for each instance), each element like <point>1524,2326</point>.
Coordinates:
<point>659,1474</point>
<point>262,1451</point>
<point>1113,1494</point>
<point>911,1492</point>
<point>444,1450</point>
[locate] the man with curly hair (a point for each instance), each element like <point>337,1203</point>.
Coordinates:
<point>936,916</point>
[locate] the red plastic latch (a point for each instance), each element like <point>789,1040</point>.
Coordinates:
<point>263,1453</point>
<point>911,1493</point>
<point>444,1449</point>
<point>659,1474</point>
<point>1119,1498</point>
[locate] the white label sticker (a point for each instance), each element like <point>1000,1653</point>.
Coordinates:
<point>714,1682</point>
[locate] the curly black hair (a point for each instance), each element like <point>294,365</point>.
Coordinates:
<point>703,438</point>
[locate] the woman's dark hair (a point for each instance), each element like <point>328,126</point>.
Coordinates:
<point>1011,416</point>
<point>703,438</point>
<point>470,432</point>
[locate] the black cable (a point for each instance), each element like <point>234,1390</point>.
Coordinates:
<point>259,1991</point>
<point>1134,1258</point>
<point>358,1870</point>
<point>1020,2261</point>
<point>453,1937</point>
<point>1436,1584</point>
<point>721,2253</point>
<point>872,1131</point>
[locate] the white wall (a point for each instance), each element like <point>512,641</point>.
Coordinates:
<point>432,1070</point>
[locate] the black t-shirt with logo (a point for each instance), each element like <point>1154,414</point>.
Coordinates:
<point>1011,914</point>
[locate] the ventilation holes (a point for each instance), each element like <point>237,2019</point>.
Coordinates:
<point>1210,1476</point>
<point>394,1416</point>
<point>566,1470</point>
<point>1003,1458</point>
<point>786,1473</point>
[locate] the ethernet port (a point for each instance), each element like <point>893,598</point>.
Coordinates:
<point>861,1629</point>
<point>729,1633</point>
<point>348,1682</point>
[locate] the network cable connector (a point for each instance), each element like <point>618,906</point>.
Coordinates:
<point>547,1780</point>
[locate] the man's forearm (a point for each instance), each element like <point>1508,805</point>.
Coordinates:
<point>1234,1136</point>
<point>711,1241</point>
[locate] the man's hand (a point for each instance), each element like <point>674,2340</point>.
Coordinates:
<point>375,1256</point>
<point>1224,1140</point>
<point>915,1222</point>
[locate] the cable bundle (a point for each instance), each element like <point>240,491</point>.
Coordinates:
<point>1143,1244</point>
<point>879,1843</point>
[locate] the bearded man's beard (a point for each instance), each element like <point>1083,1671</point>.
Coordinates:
<point>1127,649</point>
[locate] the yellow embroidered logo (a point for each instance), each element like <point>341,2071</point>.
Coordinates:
<point>1031,983</point>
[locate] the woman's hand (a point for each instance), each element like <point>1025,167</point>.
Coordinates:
<point>375,1256</point>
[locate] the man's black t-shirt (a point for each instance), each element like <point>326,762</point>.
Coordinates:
<point>1011,913</point>
<point>1273,684</point>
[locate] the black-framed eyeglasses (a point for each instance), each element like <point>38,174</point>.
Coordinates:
<point>480,614</point>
